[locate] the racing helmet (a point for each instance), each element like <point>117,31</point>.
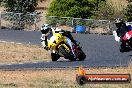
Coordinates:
<point>45,28</point>
<point>119,22</point>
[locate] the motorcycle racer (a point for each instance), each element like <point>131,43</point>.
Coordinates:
<point>119,33</point>
<point>46,29</point>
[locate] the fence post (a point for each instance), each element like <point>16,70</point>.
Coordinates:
<point>0,19</point>
<point>35,21</point>
<point>72,30</point>
<point>19,17</point>
<point>29,21</point>
<point>108,27</point>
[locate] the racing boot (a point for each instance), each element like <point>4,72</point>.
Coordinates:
<point>124,49</point>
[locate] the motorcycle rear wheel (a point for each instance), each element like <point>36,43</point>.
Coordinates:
<point>81,56</point>
<point>67,55</point>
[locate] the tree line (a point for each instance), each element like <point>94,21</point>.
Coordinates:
<point>95,9</point>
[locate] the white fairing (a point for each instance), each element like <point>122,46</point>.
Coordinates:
<point>69,42</point>
<point>116,37</point>
<point>52,39</point>
<point>128,36</point>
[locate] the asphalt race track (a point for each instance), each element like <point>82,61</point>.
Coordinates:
<point>101,51</point>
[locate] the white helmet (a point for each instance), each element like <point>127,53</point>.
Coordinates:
<point>45,28</point>
<point>119,22</point>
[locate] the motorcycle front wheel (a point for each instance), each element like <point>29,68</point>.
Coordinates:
<point>66,54</point>
<point>55,56</point>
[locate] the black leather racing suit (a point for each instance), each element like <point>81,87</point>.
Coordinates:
<point>121,31</point>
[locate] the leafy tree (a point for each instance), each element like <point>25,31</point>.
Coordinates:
<point>73,8</point>
<point>128,11</point>
<point>21,6</point>
<point>25,7</point>
<point>105,11</point>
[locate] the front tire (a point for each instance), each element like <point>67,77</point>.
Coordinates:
<point>67,55</point>
<point>55,56</point>
<point>81,55</point>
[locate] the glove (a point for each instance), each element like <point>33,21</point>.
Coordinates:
<point>46,48</point>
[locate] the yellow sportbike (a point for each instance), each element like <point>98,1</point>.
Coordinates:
<point>58,43</point>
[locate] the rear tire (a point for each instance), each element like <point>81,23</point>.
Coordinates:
<point>81,55</point>
<point>55,56</point>
<point>67,55</point>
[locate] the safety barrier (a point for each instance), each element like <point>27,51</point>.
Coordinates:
<point>29,21</point>
<point>20,21</point>
<point>92,25</point>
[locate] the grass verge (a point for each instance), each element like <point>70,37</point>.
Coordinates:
<point>57,78</point>
<point>18,53</point>
<point>14,53</point>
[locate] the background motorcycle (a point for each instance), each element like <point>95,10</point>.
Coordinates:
<point>127,39</point>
